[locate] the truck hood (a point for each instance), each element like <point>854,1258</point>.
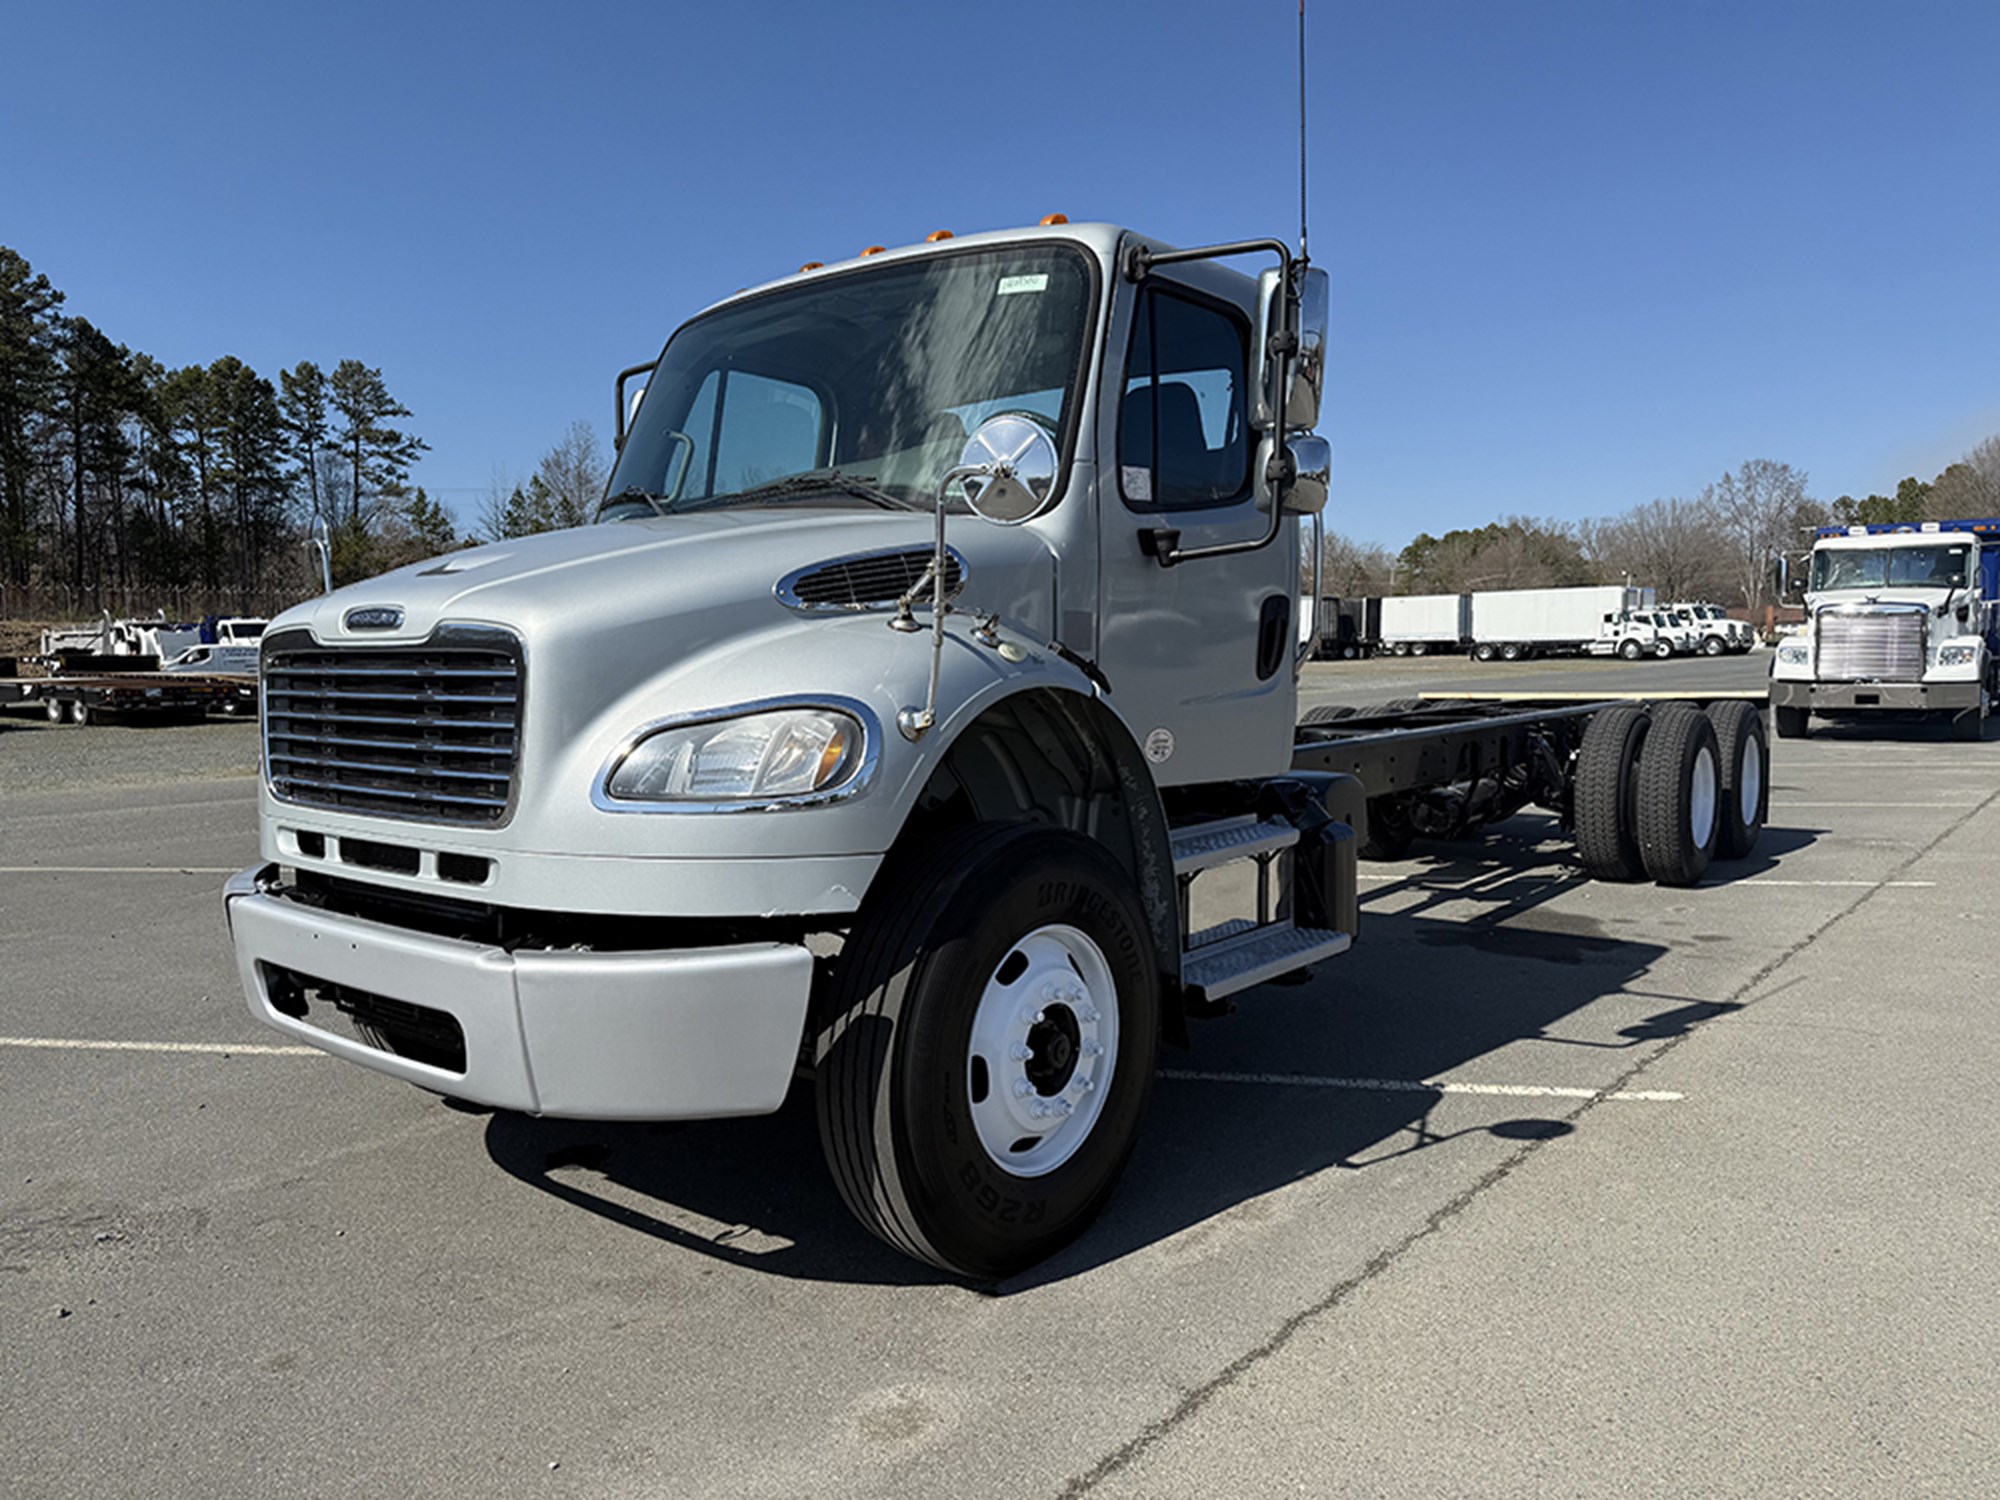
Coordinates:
<point>604,608</point>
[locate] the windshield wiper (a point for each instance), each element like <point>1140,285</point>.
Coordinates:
<point>634,492</point>
<point>818,482</point>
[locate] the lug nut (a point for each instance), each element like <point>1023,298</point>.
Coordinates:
<point>1020,1052</point>
<point>1092,1047</point>
<point>1022,1088</point>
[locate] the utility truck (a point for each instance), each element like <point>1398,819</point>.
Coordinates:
<point>919,720</point>
<point>1899,618</point>
<point>1715,630</point>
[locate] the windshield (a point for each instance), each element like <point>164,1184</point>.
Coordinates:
<point>1941,566</point>
<point>867,383</point>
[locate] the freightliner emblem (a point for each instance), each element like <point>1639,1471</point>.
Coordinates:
<point>373,617</point>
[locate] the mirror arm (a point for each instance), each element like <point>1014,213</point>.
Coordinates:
<point>914,723</point>
<point>618,430</point>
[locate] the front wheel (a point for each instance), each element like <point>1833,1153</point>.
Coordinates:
<point>1714,646</point>
<point>986,1045</point>
<point>1630,650</point>
<point>1788,721</point>
<point>1663,649</point>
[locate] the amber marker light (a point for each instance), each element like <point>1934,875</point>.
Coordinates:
<point>1055,218</point>
<point>873,250</point>
<point>811,265</point>
<point>935,235</point>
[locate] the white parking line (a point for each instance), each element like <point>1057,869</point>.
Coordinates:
<point>119,869</point>
<point>1932,806</point>
<point>1472,885</point>
<point>225,1049</point>
<point>1427,1086</point>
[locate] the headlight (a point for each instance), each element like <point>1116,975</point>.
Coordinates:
<point>1958,653</point>
<point>787,752</point>
<point>1794,653</point>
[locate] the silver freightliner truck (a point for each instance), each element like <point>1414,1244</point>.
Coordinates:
<point>920,718</point>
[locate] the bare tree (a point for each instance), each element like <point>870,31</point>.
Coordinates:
<point>1354,570</point>
<point>572,474</point>
<point>1970,487</point>
<point>1673,545</point>
<point>1760,510</point>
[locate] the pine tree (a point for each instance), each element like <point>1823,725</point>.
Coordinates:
<point>379,456</point>
<point>28,332</point>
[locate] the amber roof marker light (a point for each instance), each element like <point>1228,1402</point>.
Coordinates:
<point>873,250</point>
<point>935,235</point>
<point>1055,219</point>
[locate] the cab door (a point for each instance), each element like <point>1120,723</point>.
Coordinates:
<point>1199,655</point>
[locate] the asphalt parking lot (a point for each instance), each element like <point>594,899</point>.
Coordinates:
<point>1547,1187</point>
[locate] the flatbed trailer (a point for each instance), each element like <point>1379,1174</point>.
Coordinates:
<point>135,697</point>
<point>1652,785</point>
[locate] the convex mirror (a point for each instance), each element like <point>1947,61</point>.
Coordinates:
<point>1022,461</point>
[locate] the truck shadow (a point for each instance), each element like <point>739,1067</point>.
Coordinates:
<point>1225,1125</point>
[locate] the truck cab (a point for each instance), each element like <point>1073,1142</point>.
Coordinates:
<point>1632,634</point>
<point>1898,619</point>
<point>939,630</point>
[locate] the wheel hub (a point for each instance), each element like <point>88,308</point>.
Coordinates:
<point>1042,1048</point>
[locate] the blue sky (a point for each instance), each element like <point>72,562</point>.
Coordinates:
<point>1584,254</point>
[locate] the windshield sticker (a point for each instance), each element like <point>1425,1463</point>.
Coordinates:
<point>1138,482</point>
<point>1014,285</point>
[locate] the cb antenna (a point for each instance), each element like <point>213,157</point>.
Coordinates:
<point>1302,132</point>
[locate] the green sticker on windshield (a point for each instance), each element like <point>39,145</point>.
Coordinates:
<point>1010,285</point>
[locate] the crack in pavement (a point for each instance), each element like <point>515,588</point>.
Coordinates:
<point>1158,1430</point>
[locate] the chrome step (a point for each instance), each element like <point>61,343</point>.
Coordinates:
<point>1203,846</point>
<point>1257,956</point>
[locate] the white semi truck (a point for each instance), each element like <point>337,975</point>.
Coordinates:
<point>1899,618</point>
<point>919,721</point>
<point>1610,620</point>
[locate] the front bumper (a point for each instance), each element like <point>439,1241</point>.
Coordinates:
<point>1836,697</point>
<point>690,1033</point>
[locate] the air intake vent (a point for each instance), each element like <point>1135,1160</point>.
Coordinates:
<point>868,580</point>
<point>429,733</point>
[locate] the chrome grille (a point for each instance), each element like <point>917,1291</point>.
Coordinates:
<point>429,732</point>
<point>1871,646</point>
<point>868,581</point>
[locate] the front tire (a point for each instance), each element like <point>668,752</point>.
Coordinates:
<point>986,1047</point>
<point>1630,650</point>
<point>1790,722</point>
<point>1714,646</point>
<point>1663,649</point>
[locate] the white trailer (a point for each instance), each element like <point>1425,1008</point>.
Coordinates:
<point>1416,624</point>
<point>1511,624</point>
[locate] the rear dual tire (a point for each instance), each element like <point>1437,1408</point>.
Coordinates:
<point>1663,793</point>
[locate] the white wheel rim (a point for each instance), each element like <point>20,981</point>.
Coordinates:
<point>1701,798</point>
<point>1750,785</point>
<point>1043,1048</point>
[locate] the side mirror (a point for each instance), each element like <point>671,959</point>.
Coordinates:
<point>1787,583</point>
<point>1021,462</point>
<point>1300,401</point>
<point>1312,473</point>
